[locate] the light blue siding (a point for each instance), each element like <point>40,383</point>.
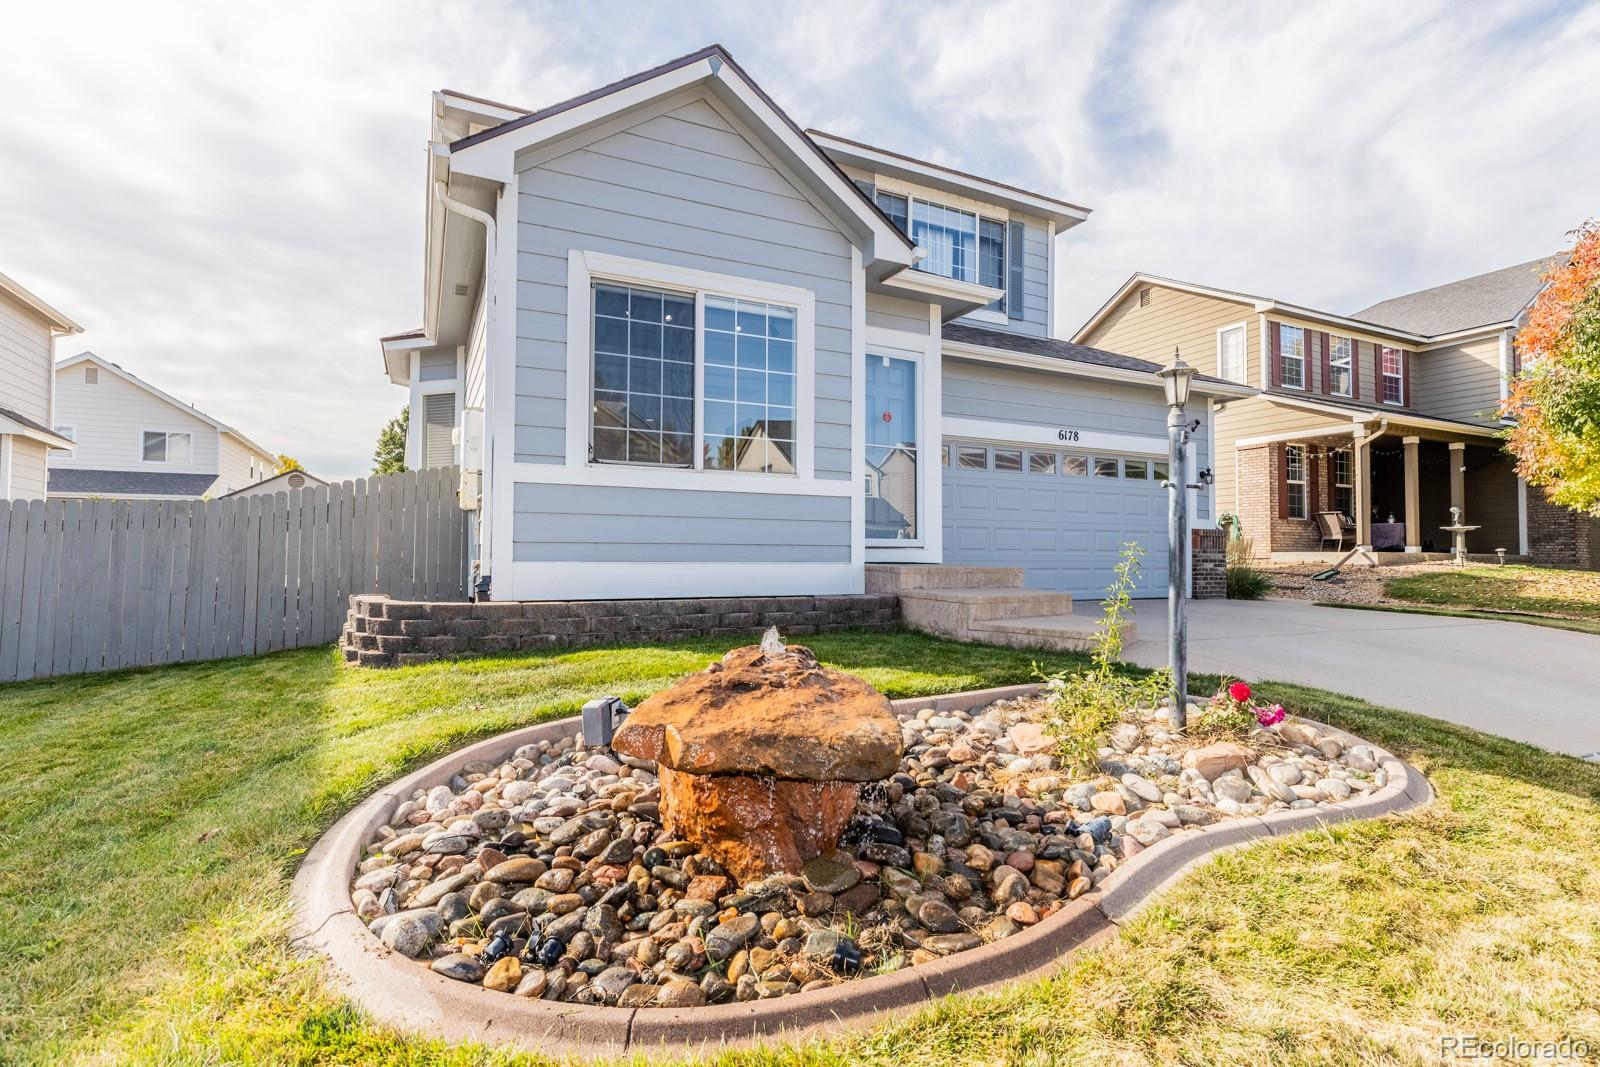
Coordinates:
<point>684,188</point>
<point>893,313</point>
<point>595,523</point>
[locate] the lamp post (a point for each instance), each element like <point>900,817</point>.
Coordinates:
<point>1176,380</point>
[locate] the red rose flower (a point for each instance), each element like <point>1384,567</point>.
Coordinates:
<point>1239,691</point>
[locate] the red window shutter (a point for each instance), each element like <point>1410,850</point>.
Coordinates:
<point>1355,369</point>
<point>1405,378</point>
<point>1277,355</point>
<point>1283,481</point>
<point>1327,355</point>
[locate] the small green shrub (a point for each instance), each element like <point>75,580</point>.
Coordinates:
<point>1084,705</point>
<point>1246,581</point>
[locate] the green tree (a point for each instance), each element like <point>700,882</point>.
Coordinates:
<point>287,463</point>
<point>390,455</point>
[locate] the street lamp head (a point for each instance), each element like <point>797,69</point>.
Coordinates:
<point>1175,379</point>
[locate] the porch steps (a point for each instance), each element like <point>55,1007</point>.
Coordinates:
<point>984,605</point>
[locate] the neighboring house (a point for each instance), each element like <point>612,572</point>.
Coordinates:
<point>682,347</point>
<point>280,483</point>
<point>28,331</point>
<point>1388,416</point>
<point>127,438</point>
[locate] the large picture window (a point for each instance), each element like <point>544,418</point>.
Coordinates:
<point>643,409</point>
<point>749,386</point>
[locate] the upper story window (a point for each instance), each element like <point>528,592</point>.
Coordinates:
<point>1391,368</point>
<point>161,446</point>
<point>897,208</point>
<point>1291,357</point>
<point>1231,353</point>
<point>956,243</point>
<point>1294,461</point>
<point>1340,351</point>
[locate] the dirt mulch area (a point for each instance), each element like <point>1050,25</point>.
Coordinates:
<point>1353,585</point>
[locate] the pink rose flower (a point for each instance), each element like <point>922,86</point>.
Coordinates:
<point>1270,716</point>
<point>1239,691</point>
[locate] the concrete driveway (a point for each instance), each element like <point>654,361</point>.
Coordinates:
<point>1531,683</point>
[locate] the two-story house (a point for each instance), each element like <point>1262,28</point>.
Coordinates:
<point>1387,417</point>
<point>682,347</point>
<point>28,331</point>
<point>125,438</point>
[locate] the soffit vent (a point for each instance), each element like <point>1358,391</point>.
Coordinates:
<point>461,288</point>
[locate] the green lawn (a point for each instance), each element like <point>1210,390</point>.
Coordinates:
<point>1563,594</point>
<point>154,819</point>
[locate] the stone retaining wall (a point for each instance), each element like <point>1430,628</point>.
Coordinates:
<point>381,632</point>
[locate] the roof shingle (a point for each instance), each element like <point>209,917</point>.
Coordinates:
<point>129,483</point>
<point>1483,300</point>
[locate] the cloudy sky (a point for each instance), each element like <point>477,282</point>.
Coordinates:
<point>232,205</point>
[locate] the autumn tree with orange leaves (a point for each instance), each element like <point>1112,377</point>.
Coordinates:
<point>1556,397</point>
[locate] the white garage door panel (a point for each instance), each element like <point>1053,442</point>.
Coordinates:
<point>1065,532</point>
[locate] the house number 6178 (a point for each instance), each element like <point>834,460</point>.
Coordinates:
<point>1066,435</point>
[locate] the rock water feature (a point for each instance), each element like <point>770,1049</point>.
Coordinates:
<point>768,826</point>
<point>761,755</point>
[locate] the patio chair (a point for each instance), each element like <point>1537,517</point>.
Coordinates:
<point>1335,527</point>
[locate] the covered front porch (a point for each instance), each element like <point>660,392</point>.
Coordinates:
<point>1387,487</point>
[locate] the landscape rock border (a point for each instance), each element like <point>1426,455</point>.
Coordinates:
<point>397,992</point>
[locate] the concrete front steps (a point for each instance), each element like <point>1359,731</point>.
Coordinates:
<point>985,605</point>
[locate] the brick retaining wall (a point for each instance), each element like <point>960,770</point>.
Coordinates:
<point>381,632</point>
<point>1209,564</point>
<point>1558,536</point>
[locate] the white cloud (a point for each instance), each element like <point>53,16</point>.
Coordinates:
<point>232,204</point>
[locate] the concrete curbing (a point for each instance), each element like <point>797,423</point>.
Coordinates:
<point>399,992</point>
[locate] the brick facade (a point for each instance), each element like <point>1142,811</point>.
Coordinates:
<point>1261,514</point>
<point>381,632</point>
<point>1209,564</point>
<point>1558,536</point>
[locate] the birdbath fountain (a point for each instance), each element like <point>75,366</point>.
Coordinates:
<point>762,755</point>
<point>1459,533</point>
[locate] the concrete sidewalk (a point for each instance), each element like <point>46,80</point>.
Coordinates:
<point>1530,683</point>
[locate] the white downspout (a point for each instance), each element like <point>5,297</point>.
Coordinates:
<point>486,499</point>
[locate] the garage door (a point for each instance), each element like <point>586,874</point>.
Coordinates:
<point>1060,516</point>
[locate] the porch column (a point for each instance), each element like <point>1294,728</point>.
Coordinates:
<point>1458,477</point>
<point>1361,473</point>
<point>1413,495</point>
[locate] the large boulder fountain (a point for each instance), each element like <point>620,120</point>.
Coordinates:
<point>762,755</point>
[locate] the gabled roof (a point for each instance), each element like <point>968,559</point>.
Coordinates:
<point>1259,304</point>
<point>58,322</point>
<point>134,379</point>
<point>128,483</point>
<point>256,487</point>
<point>1071,353</point>
<point>717,62</point>
<point>1482,300</point>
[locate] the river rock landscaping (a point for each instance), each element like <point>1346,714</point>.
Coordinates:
<point>549,875</point>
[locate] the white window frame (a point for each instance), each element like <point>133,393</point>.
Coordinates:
<point>976,208</point>
<point>1284,357</point>
<point>926,476</point>
<point>168,447</point>
<point>1349,483</point>
<point>1348,365</point>
<point>1243,377</point>
<point>584,268</point>
<point>1304,481</point>
<point>1399,378</point>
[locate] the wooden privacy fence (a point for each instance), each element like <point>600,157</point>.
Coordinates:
<point>91,585</point>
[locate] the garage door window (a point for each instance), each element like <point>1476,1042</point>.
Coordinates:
<point>1075,466</point>
<point>892,449</point>
<point>1105,468</point>
<point>969,458</point>
<point>1136,468</point>
<point>1159,470</point>
<point>1008,459</point>
<point>1041,462</point>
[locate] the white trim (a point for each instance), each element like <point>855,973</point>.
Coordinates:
<point>498,513</point>
<point>1383,376</point>
<point>1522,516</point>
<point>1242,325</point>
<point>1454,446</point>
<point>858,421</point>
<point>1304,357</point>
<point>1441,340</point>
<point>529,580</point>
<point>629,476</point>
<point>1350,367</point>
<point>55,321</point>
<point>584,267</point>
<point>923,351</point>
<point>1505,364</point>
<point>1033,434</point>
<point>1266,354</point>
<point>1297,435</point>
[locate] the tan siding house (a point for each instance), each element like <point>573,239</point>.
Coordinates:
<point>1386,419</point>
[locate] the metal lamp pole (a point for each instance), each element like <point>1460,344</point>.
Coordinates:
<point>1176,380</point>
